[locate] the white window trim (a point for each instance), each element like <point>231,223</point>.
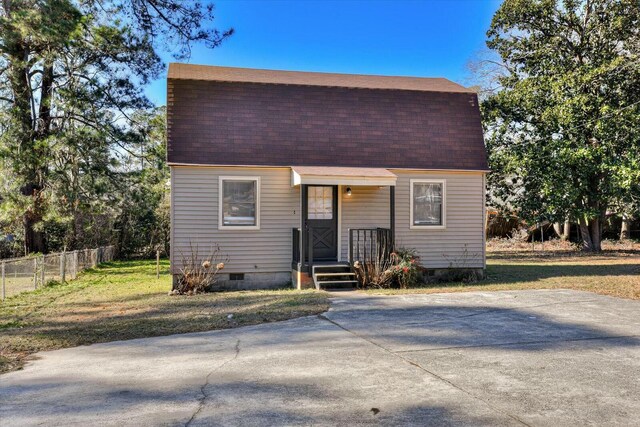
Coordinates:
<point>221,225</point>
<point>412,226</point>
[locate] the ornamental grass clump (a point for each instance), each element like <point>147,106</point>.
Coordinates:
<point>400,269</point>
<point>198,273</point>
<point>375,274</point>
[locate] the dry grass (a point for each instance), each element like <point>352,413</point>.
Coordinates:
<point>124,300</point>
<point>555,246</point>
<point>614,272</point>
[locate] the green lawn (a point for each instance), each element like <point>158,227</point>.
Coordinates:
<point>615,273</point>
<point>124,300</point>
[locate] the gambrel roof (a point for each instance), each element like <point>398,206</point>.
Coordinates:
<point>237,116</point>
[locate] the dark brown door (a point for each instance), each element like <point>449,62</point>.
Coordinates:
<point>321,207</point>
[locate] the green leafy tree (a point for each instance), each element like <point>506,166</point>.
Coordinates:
<point>142,222</point>
<point>71,76</point>
<point>563,130</point>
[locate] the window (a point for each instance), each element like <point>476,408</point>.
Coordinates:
<point>239,203</point>
<point>428,203</point>
<point>320,203</point>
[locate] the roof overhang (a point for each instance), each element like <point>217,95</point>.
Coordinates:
<point>329,175</point>
<point>178,71</point>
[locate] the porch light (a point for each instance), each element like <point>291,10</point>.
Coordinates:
<point>348,191</point>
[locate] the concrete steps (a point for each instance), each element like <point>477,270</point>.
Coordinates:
<point>333,276</point>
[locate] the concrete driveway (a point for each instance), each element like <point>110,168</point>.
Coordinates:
<point>495,358</point>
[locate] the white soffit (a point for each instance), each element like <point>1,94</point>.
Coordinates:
<point>331,175</point>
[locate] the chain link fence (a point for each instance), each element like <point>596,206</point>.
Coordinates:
<point>30,273</point>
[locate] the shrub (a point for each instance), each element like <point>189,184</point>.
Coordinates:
<point>376,274</point>
<point>399,270</point>
<point>406,269</point>
<point>198,274</point>
<point>464,261</point>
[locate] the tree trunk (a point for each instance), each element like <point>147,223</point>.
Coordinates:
<point>567,231</point>
<point>46,88</point>
<point>562,230</point>
<point>33,240</point>
<point>595,228</point>
<point>30,169</point>
<point>77,238</point>
<point>486,222</point>
<point>585,235</point>
<point>625,229</point>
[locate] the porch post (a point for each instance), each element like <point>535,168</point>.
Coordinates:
<point>392,213</point>
<point>303,225</point>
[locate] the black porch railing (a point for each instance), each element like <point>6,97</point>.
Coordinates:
<point>310,250</point>
<point>369,245</point>
<point>301,256</point>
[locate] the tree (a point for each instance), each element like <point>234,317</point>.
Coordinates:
<point>71,74</point>
<point>142,221</point>
<point>563,133</point>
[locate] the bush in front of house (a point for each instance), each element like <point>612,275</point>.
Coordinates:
<point>199,273</point>
<point>406,269</point>
<point>399,270</point>
<point>375,274</point>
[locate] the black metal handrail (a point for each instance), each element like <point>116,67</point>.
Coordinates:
<point>302,253</point>
<point>310,250</point>
<point>370,244</point>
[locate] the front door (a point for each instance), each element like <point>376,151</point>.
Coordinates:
<point>321,207</point>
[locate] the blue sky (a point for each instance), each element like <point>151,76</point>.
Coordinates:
<point>414,38</point>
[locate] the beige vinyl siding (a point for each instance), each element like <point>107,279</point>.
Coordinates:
<point>461,243</point>
<point>195,218</point>
<point>367,207</point>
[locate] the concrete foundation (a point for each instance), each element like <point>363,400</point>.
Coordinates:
<point>301,280</point>
<point>251,281</point>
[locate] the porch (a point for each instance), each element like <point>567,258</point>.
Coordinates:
<point>346,215</point>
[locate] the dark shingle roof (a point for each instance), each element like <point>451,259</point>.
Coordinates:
<point>308,119</point>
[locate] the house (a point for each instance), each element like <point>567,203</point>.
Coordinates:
<point>290,172</point>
